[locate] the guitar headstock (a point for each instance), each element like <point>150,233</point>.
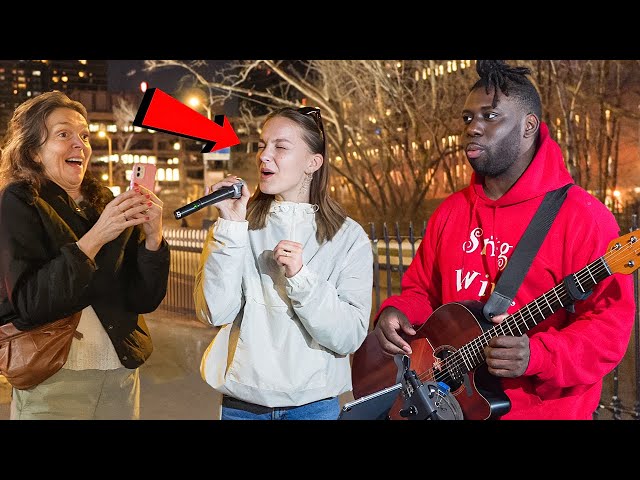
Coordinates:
<point>623,253</point>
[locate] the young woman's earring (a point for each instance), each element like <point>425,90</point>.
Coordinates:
<point>304,187</point>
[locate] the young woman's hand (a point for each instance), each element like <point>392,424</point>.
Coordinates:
<point>232,208</point>
<point>288,254</point>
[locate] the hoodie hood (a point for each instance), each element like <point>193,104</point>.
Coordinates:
<point>533,182</point>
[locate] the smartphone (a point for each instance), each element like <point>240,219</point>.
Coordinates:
<point>144,174</point>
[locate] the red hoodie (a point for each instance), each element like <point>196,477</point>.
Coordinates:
<point>467,245</point>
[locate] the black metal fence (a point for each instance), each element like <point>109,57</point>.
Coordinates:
<point>186,246</point>
<point>393,249</point>
<point>623,384</point>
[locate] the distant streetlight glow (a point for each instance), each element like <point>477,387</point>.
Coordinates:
<point>194,102</point>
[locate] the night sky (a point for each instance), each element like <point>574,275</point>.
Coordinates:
<point>126,75</point>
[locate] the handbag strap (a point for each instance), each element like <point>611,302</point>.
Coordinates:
<point>520,261</point>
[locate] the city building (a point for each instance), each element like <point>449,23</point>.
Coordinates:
<point>23,79</point>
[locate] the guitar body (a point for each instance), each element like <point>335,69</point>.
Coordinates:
<point>448,328</point>
<point>448,347</point>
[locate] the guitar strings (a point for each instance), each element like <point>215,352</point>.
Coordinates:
<point>451,366</point>
<point>560,294</point>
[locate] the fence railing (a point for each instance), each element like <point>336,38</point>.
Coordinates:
<point>628,221</point>
<point>393,250</point>
<point>186,246</point>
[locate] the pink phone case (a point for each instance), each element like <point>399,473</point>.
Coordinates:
<point>144,174</point>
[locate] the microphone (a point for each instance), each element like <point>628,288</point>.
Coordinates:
<point>234,191</point>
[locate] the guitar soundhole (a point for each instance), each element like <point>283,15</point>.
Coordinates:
<point>445,369</point>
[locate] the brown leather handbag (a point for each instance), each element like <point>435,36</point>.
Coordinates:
<point>28,357</point>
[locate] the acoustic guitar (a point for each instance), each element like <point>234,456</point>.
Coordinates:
<point>449,346</point>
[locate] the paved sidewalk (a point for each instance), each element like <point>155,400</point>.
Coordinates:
<point>171,386</point>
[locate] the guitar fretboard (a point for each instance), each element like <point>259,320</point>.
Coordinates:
<point>471,355</point>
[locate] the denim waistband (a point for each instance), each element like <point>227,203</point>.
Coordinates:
<point>231,402</point>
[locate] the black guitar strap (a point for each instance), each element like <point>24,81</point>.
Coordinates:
<point>520,261</point>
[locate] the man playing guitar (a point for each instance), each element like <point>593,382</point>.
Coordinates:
<point>556,368</point>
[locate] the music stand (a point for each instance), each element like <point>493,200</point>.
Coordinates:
<point>375,406</point>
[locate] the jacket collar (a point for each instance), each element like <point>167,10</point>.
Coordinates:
<point>62,203</point>
<point>284,206</point>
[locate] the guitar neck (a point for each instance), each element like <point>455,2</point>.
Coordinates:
<point>518,323</point>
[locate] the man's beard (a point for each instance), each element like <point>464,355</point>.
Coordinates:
<point>499,158</point>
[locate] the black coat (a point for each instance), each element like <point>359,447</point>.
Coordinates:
<point>44,276</point>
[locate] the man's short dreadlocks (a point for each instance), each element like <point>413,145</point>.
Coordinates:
<point>496,75</point>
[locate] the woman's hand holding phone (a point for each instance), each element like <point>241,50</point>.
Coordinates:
<point>143,177</point>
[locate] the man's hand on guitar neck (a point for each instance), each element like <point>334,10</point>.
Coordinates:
<point>391,322</point>
<point>507,356</point>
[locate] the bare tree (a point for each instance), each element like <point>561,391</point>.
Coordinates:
<point>392,126</point>
<point>586,103</point>
<point>124,112</point>
<point>391,135</point>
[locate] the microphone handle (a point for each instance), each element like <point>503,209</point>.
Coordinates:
<point>223,193</point>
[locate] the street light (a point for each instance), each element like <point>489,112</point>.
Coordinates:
<point>195,102</point>
<point>103,134</point>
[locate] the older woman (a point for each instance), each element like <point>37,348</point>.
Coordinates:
<point>67,245</point>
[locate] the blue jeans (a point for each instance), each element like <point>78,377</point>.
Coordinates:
<point>326,409</point>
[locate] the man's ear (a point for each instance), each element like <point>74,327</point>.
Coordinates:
<point>532,125</point>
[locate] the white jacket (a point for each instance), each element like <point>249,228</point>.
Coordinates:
<point>295,334</point>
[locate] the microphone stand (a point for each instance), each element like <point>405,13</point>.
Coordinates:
<point>425,401</point>
<point>421,405</point>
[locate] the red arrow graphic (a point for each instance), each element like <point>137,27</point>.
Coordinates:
<point>162,112</point>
